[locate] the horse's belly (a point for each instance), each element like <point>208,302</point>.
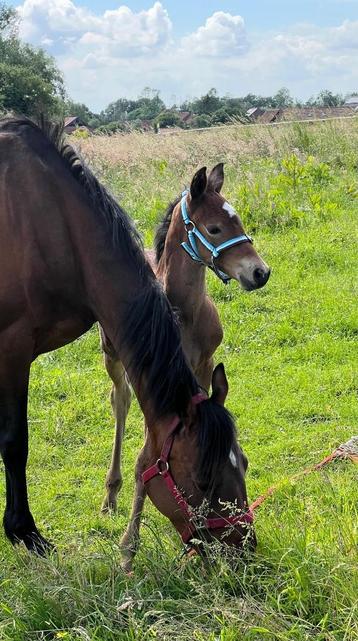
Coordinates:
<point>60,333</point>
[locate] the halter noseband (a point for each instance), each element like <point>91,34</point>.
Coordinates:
<point>191,246</point>
<point>162,468</point>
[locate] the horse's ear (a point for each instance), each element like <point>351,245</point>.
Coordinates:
<point>216,178</point>
<point>219,385</point>
<point>198,184</point>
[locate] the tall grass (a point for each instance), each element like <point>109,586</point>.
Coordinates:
<point>290,354</point>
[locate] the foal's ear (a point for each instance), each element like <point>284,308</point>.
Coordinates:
<point>198,184</point>
<point>216,178</point>
<point>219,385</point>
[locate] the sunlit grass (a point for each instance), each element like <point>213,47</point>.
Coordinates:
<point>290,354</point>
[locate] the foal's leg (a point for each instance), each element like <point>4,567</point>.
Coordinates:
<point>19,524</point>
<point>121,400</point>
<point>130,539</point>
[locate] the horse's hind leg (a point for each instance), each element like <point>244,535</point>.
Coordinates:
<point>120,399</point>
<point>19,524</point>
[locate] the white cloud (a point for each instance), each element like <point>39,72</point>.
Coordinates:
<point>121,31</point>
<point>118,52</point>
<point>222,35</point>
<point>345,36</point>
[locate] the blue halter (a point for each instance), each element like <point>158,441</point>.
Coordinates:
<point>191,246</point>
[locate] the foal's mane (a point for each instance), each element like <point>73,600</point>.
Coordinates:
<point>162,229</point>
<point>151,330</point>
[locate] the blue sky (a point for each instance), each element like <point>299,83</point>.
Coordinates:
<point>109,49</point>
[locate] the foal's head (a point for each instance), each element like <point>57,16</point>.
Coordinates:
<point>218,222</point>
<point>194,472</point>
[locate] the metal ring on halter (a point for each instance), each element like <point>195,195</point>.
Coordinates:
<point>165,469</point>
<point>190,222</point>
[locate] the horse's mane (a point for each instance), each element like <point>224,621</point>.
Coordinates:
<point>216,436</point>
<point>162,230</point>
<point>116,220</point>
<point>151,331</point>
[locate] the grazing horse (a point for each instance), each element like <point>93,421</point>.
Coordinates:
<point>69,257</point>
<point>204,211</point>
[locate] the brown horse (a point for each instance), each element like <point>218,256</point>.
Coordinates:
<point>69,256</point>
<point>183,277</point>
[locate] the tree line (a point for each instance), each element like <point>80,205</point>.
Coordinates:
<point>32,84</point>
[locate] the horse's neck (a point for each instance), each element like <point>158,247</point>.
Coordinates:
<point>112,284</point>
<point>183,279</point>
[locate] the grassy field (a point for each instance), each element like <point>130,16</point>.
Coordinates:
<point>291,359</point>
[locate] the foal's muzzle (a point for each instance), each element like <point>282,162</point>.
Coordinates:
<point>259,279</point>
<point>261,276</point>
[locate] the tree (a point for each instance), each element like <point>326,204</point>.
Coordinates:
<point>8,20</point>
<point>201,121</point>
<point>30,82</point>
<point>207,104</point>
<point>167,118</point>
<point>79,109</point>
<point>326,98</point>
<point>220,117</point>
<point>282,99</point>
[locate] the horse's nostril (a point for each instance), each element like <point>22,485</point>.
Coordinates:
<point>261,276</point>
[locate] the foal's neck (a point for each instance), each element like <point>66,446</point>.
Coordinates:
<point>183,279</point>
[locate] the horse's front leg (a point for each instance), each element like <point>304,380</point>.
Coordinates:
<point>121,400</point>
<point>19,524</point>
<point>130,539</point>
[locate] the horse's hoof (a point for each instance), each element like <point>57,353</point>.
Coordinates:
<point>37,544</point>
<point>127,567</point>
<point>109,506</point>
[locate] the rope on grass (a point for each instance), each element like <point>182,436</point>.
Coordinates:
<point>348,450</point>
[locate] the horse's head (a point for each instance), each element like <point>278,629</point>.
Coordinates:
<point>212,216</point>
<point>194,471</point>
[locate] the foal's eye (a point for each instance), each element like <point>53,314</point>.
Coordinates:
<point>213,230</point>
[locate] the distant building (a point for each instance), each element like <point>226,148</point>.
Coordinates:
<point>186,117</point>
<point>351,102</point>
<point>270,115</point>
<point>254,113</point>
<point>146,125</point>
<point>316,113</point>
<point>74,122</point>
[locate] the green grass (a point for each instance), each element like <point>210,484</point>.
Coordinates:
<point>291,358</point>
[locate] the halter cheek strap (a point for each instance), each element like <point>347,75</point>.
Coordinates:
<point>161,468</point>
<point>194,234</point>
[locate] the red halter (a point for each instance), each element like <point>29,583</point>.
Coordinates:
<point>161,468</point>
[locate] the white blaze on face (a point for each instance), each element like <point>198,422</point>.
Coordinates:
<point>230,210</point>
<point>233,459</point>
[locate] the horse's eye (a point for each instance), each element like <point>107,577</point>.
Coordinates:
<point>213,230</point>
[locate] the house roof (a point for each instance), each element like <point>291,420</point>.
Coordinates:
<point>185,115</point>
<point>353,100</point>
<point>316,113</point>
<point>70,120</point>
<point>270,115</point>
